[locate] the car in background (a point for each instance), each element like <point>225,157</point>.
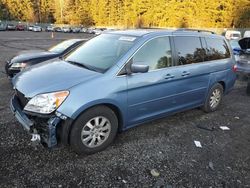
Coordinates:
<point>37,28</point>
<point>57,29</point>
<point>30,27</point>
<point>11,27</point>
<point>241,49</point>
<point>49,28</point>
<point>83,30</point>
<point>29,58</point>
<point>2,27</point>
<point>98,31</point>
<point>20,27</point>
<point>66,29</point>
<point>243,64</point>
<point>246,34</point>
<point>76,30</point>
<point>232,35</point>
<point>118,80</point>
<point>236,47</point>
<point>90,30</point>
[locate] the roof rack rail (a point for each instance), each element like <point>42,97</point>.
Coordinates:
<point>197,30</point>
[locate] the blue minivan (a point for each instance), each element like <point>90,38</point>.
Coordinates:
<point>118,80</point>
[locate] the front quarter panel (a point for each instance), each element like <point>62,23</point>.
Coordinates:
<point>102,90</point>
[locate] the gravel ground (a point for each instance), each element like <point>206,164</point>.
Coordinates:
<point>166,145</point>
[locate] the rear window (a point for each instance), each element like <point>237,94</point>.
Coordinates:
<point>236,35</point>
<point>216,49</point>
<point>189,50</point>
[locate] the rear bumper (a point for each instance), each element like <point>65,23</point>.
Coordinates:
<point>45,129</point>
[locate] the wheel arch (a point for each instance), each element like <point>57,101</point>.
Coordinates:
<point>223,85</point>
<point>66,128</point>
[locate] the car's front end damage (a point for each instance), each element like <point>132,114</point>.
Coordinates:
<point>44,129</point>
<point>40,96</point>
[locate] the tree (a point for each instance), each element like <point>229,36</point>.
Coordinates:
<point>131,13</point>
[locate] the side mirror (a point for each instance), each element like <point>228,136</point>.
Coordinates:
<point>139,68</point>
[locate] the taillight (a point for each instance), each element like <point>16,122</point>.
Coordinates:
<point>235,68</point>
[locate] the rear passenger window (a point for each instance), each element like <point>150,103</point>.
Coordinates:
<point>216,49</point>
<point>156,54</point>
<point>189,50</point>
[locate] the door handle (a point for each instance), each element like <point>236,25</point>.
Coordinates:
<point>185,73</point>
<point>169,76</point>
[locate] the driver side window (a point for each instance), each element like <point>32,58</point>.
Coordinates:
<point>155,53</point>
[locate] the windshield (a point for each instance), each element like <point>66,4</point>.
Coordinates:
<point>59,48</point>
<point>102,52</point>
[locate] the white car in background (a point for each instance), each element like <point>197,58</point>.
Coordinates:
<point>83,30</point>
<point>76,29</point>
<point>30,28</point>
<point>233,35</point>
<point>49,28</point>
<point>37,28</point>
<point>66,29</point>
<point>247,34</point>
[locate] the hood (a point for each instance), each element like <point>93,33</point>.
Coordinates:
<point>244,43</point>
<point>29,51</point>
<point>29,55</point>
<point>51,76</point>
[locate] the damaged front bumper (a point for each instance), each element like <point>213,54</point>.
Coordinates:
<point>41,129</point>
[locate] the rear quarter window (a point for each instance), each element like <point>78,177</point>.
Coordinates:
<point>216,49</point>
<point>189,50</point>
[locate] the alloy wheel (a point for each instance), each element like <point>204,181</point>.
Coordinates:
<point>96,131</point>
<point>215,98</point>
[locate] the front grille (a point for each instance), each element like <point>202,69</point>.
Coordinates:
<point>22,99</point>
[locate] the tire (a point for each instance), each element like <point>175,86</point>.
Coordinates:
<point>248,87</point>
<point>214,98</point>
<point>88,135</point>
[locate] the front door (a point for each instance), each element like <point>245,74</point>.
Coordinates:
<point>152,94</point>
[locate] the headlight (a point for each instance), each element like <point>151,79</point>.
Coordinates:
<point>18,65</point>
<point>46,103</point>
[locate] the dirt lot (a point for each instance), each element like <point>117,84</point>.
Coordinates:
<point>166,145</point>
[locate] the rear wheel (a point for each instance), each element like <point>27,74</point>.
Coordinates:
<point>94,130</point>
<point>214,98</point>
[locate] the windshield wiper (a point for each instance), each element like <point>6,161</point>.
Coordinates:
<point>82,65</point>
<point>89,67</point>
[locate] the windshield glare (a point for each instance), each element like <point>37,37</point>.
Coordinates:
<point>102,52</point>
<point>59,48</point>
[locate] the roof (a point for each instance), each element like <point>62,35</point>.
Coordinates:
<point>142,32</point>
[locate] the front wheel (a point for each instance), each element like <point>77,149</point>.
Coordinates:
<point>94,130</point>
<point>214,98</point>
